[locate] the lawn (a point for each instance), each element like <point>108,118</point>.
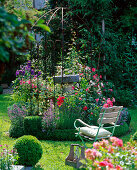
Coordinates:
<point>54,152</point>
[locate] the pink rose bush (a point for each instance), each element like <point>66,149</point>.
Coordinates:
<point>112,155</point>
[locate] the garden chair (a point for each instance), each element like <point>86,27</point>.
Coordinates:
<point>107,119</point>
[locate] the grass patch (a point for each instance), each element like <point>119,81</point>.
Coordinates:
<point>54,152</point>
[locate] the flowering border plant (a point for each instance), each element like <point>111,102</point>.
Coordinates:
<point>112,155</point>
<point>7,157</point>
<point>30,87</point>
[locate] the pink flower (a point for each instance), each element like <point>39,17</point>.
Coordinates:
<point>118,167</point>
<point>93,69</point>
<point>113,138</point>
<point>73,87</point>
<point>105,105</point>
<point>28,82</point>
<point>110,90</point>
<point>95,76</point>
<point>87,89</point>
<point>109,102</point>
<point>96,145</point>
<point>80,98</point>
<point>35,86</point>
<point>32,85</point>
<point>23,82</point>
<point>110,165</point>
<point>76,93</point>
<point>113,99</point>
<point>100,76</point>
<point>91,113</point>
<point>97,100</point>
<point>116,141</point>
<point>85,108</point>
<point>110,149</point>
<point>103,163</point>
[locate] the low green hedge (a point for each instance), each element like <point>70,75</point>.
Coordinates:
<point>61,135</point>
<point>33,126</point>
<point>16,130</point>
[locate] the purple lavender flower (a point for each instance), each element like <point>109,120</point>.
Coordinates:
<point>32,72</point>
<point>17,72</point>
<point>23,72</point>
<point>29,64</point>
<point>39,73</point>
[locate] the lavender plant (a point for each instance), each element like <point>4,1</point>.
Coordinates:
<point>16,113</point>
<point>124,117</point>
<point>49,118</point>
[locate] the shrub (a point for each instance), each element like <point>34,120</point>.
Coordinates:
<point>17,112</point>
<point>124,97</point>
<point>32,126</point>
<point>16,130</point>
<point>61,135</point>
<point>124,117</point>
<point>120,130</point>
<point>29,150</point>
<point>1,90</point>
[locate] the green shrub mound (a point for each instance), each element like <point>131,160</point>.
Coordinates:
<point>33,126</point>
<point>1,90</point>
<point>120,130</point>
<point>29,150</point>
<point>16,130</point>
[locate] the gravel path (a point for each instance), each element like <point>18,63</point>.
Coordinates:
<point>8,91</point>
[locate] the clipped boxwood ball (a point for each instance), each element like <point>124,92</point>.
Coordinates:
<point>29,150</point>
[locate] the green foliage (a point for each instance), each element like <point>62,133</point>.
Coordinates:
<point>29,150</point>
<point>134,137</point>
<point>11,29</point>
<point>61,135</point>
<point>33,126</point>
<point>113,50</point>
<point>1,90</point>
<point>124,97</point>
<point>121,130</point>
<point>16,130</point>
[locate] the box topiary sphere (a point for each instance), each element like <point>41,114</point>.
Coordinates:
<point>29,150</point>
